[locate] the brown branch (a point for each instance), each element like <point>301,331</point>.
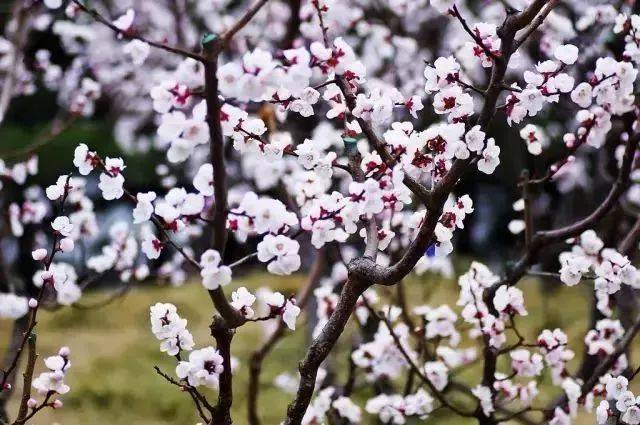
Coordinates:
<point>355,159</point>
<point>626,299</point>
<point>167,239</point>
<point>132,36</point>
<point>323,27</point>
<point>45,403</point>
<point>542,239</point>
<point>293,26</point>
<point>535,23</point>
<point>528,214</point>
<point>29,338</point>
<point>157,221</point>
<point>199,400</point>
<point>613,196</point>
<point>28,377</point>
<point>228,35</point>
<point>321,346</point>
<point>17,337</point>
<point>520,20</point>
<point>33,312</point>
<point>348,387</point>
<point>178,10</point>
<point>232,316</point>
<point>469,31</point>
<point>374,140</point>
<point>626,246</point>
<point>222,327</point>
<point>223,335</point>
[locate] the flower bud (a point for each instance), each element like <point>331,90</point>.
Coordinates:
<point>39,254</point>
<point>66,245</point>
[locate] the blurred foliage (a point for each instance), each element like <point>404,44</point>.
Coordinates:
<point>57,155</point>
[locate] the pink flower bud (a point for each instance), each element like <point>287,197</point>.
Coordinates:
<point>33,303</point>
<point>7,386</point>
<point>66,245</point>
<point>32,403</point>
<point>57,404</point>
<point>64,351</point>
<point>39,254</point>
<point>569,139</point>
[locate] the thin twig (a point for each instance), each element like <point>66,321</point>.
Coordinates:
<point>437,394</point>
<point>243,21</point>
<point>133,36</point>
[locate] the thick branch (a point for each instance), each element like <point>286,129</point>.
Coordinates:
<point>536,22</point>
<point>232,317</point>
<point>320,348</point>
<point>223,335</point>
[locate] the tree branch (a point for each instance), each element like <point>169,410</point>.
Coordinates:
<point>132,36</point>
<point>321,347</point>
<point>232,316</point>
<point>242,21</point>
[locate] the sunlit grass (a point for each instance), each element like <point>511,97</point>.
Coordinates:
<point>113,350</point>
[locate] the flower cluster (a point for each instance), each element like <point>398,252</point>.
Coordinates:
<point>620,402</point>
<point>213,273</point>
<point>610,268</point>
<point>545,85</point>
<point>52,383</point>
<point>281,253</point>
<point>397,409</point>
<point>327,400</point>
<point>452,218</point>
<point>203,368</point>
<point>170,329</point>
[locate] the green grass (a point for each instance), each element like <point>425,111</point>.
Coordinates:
<point>113,351</point>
